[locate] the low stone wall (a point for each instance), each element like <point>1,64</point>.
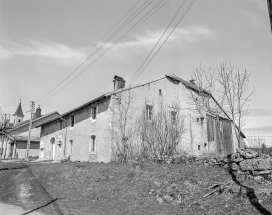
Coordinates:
<point>250,163</point>
<point>245,162</point>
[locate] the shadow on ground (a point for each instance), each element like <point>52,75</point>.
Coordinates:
<point>250,193</point>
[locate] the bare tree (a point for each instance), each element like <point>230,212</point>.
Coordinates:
<point>192,130</point>
<point>222,90</point>
<point>4,130</point>
<point>122,110</point>
<point>234,84</point>
<point>161,129</point>
<point>201,97</point>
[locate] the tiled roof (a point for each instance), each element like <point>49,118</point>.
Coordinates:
<point>34,120</point>
<point>25,138</point>
<point>19,111</point>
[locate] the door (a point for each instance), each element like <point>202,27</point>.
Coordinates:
<point>53,148</point>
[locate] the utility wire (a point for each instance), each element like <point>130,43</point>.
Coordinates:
<point>133,16</point>
<point>175,15</point>
<point>100,40</point>
<point>181,18</point>
<point>142,20</point>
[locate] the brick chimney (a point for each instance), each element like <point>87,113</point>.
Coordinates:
<point>119,82</point>
<point>38,112</point>
<point>192,81</point>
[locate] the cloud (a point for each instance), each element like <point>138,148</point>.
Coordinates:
<point>4,53</point>
<point>260,112</point>
<point>190,34</point>
<point>39,48</point>
<point>260,129</point>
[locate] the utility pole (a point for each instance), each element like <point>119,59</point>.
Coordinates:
<point>32,107</point>
<point>269,4</point>
<point>3,127</point>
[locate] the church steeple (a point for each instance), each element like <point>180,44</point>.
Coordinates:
<point>18,115</point>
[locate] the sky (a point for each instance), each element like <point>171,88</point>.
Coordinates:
<point>43,41</point>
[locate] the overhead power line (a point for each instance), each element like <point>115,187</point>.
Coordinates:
<point>100,40</point>
<point>102,45</point>
<point>175,15</point>
<point>142,20</point>
<point>139,72</point>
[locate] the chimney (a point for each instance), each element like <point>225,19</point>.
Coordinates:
<point>192,81</point>
<point>119,82</point>
<point>38,112</point>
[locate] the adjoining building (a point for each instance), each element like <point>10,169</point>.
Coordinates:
<point>86,132</point>
<point>15,142</point>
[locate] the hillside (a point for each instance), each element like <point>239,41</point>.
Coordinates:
<point>88,188</point>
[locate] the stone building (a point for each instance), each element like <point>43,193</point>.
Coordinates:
<point>15,142</point>
<point>85,133</point>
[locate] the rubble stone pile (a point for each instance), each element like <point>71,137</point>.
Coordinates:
<point>251,163</point>
<point>244,162</point>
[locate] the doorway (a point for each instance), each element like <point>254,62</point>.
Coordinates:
<point>53,148</point>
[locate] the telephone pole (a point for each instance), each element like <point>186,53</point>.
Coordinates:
<point>32,107</point>
<point>269,3</point>
<point>3,128</point>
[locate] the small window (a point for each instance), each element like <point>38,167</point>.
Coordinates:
<point>173,116</point>
<point>205,145</point>
<point>92,144</point>
<point>19,120</point>
<point>149,110</point>
<point>198,147</point>
<point>201,121</point>
<point>94,112</point>
<point>160,92</point>
<point>72,121</point>
<point>197,119</point>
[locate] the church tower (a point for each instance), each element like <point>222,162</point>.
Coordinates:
<point>18,116</point>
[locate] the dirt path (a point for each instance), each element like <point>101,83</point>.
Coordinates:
<point>14,210</point>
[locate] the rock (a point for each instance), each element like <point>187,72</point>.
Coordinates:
<point>237,160</point>
<point>233,166</point>
<point>159,198</point>
<point>257,177</point>
<point>261,172</point>
<point>255,164</point>
<point>249,154</point>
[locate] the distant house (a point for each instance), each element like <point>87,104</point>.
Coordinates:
<point>15,143</point>
<point>85,133</point>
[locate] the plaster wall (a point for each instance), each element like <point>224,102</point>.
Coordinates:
<point>170,91</point>
<point>79,135</point>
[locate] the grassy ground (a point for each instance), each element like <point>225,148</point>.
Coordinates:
<point>88,188</point>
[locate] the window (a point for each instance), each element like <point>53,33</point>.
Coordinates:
<point>94,110</point>
<point>92,144</point>
<point>149,110</point>
<point>202,120</point>
<point>19,120</point>
<point>72,121</point>
<point>198,147</point>
<point>160,92</point>
<point>173,116</point>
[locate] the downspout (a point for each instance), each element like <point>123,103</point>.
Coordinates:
<point>65,136</point>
